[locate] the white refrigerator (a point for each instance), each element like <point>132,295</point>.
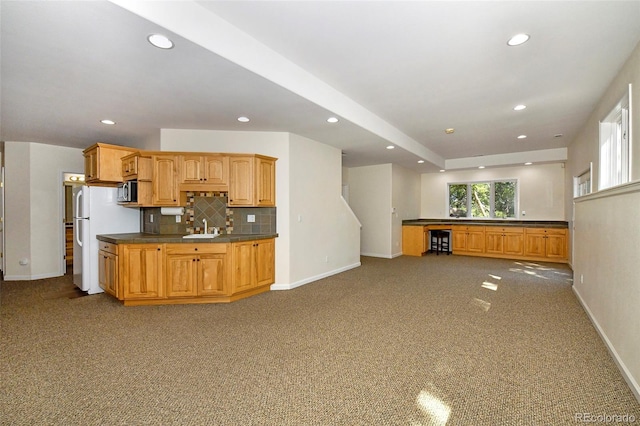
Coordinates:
<point>96,211</point>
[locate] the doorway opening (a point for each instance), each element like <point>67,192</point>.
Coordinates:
<point>70,181</point>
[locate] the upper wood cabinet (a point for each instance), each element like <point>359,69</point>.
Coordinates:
<point>165,182</point>
<point>204,172</point>
<point>252,181</point>
<point>265,182</point>
<point>103,164</point>
<point>136,166</point>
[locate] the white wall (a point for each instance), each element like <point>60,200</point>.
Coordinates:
<point>325,235</point>
<point>370,199</point>
<point>606,235</point>
<point>541,190</point>
<point>405,202</point>
<point>33,207</point>
<point>301,247</point>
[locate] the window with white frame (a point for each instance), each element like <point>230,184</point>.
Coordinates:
<point>582,183</point>
<point>615,136</point>
<point>488,199</point>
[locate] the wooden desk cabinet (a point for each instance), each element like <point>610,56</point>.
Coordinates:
<point>546,243</point>
<point>467,239</point>
<point>510,242</point>
<point>504,240</point>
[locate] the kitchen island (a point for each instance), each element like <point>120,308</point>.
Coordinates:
<point>545,241</point>
<point>158,269</point>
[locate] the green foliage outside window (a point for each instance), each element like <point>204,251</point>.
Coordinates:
<point>458,200</point>
<point>495,199</point>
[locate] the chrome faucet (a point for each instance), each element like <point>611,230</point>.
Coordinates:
<point>206,228</point>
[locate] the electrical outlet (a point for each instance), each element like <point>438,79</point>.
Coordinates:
<point>251,218</point>
<point>151,218</point>
<point>178,218</point>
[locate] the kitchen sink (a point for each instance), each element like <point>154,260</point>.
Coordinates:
<point>200,236</point>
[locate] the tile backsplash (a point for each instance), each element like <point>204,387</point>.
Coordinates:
<point>211,206</point>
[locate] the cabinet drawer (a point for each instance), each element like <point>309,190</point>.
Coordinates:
<point>505,229</point>
<point>108,247</point>
<point>190,248</point>
<point>472,228</point>
<point>546,231</point>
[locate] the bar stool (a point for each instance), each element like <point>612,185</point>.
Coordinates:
<point>440,242</point>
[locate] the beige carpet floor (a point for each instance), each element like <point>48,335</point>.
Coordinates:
<point>408,341</point>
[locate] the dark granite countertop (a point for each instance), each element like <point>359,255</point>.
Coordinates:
<point>490,222</point>
<point>142,238</point>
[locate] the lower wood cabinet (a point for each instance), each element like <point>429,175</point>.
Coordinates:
<point>253,264</point>
<point>467,239</point>
<point>414,240</point>
<point>108,268</point>
<point>504,240</point>
<point>142,271</point>
<point>154,274</point>
<point>546,243</point>
<point>197,270</point>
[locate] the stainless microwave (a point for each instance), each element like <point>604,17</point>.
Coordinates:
<point>128,191</point>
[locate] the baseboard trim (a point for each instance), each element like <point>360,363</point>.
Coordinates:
<point>626,374</point>
<point>296,284</point>
<point>384,256</point>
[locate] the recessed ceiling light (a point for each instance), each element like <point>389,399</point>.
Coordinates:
<point>481,167</point>
<point>243,119</point>
<point>518,39</point>
<point>442,170</point>
<point>109,122</point>
<point>332,120</point>
<point>420,161</point>
<point>390,147</point>
<point>522,137</point>
<point>449,130</point>
<point>160,41</point>
<point>528,163</point>
<point>519,107</point>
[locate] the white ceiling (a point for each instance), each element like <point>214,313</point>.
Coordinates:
<point>394,72</point>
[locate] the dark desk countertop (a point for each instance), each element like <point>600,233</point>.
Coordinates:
<point>142,238</point>
<point>483,222</point>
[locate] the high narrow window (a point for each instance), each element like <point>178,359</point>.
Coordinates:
<point>582,183</point>
<point>615,136</point>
